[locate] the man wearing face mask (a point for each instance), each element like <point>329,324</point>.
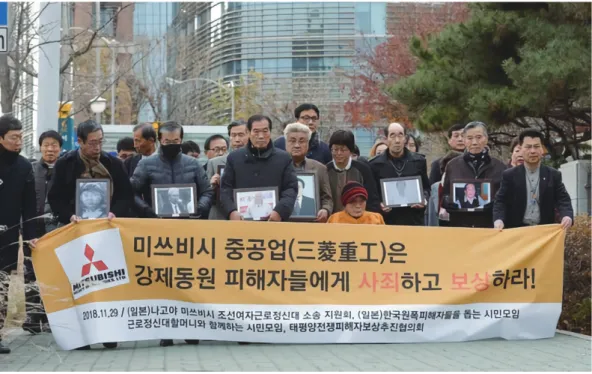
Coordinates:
<point>475,163</point>
<point>170,166</point>
<point>17,202</point>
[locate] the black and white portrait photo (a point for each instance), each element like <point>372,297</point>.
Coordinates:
<point>471,195</point>
<point>256,204</point>
<point>306,206</point>
<point>401,192</point>
<point>174,200</point>
<point>92,198</point>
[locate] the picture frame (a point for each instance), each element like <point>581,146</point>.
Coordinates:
<point>482,194</point>
<point>249,208</point>
<point>93,198</point>
<point>174,200</point>
<point>401,192</point>
<point>310,202</point>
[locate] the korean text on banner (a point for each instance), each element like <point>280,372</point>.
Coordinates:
<point>139,279</point>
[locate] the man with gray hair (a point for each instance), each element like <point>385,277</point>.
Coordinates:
<point>475,163</point>
<point>297,138</point>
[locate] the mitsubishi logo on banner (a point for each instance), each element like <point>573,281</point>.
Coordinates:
<point>94,262</point>
<point>90,254</point>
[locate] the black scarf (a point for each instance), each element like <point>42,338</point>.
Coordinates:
<point>7,157</point>
<point>477,160</point>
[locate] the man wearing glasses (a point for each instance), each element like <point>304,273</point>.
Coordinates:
<point>89,162</point>
<point>309,115</point>
<point>17,202</point>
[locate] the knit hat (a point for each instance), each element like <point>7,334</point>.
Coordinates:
<point>351,190</point>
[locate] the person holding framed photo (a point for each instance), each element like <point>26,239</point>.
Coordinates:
<point>239,136</point>
<point>398,162</point>
<point>170,167</point>
<point>89,162</point>
<point>259,165</point>
<point>297,137</point>
<point>475,164</point>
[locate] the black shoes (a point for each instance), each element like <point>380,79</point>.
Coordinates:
<point>166,342</point>
<point>3,349</point>
<point>106,345</point>
<point>169,342</point>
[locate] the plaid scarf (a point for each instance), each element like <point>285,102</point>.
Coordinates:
<point>93,169</point>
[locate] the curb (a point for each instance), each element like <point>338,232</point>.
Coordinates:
<point>574,334</point>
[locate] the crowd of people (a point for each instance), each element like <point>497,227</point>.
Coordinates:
<point>38,197</point>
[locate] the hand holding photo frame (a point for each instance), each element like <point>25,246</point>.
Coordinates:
<point>256,204</point>
<point>174,200</point>
<point>307,198</point>
<point>471,195</point>
<point>401,192</point>
<point>93,198</point>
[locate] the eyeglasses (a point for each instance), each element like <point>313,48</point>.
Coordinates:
<point>50,146</point>
<point>340,150</point>
<point>219,149</point>
<point>14,138</point>
<point>97,143</point>
<point>297,141</point>
<point>309,119</point>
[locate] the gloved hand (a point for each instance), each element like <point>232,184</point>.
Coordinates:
<point>448,204</point>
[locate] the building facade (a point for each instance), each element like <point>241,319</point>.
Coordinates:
<point>302,50</point>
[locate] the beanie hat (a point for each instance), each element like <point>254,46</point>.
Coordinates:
<point>351,190</point>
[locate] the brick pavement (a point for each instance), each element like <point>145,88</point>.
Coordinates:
<point>562,353</point>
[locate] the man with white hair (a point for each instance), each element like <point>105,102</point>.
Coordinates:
<point>475,163</point>
<point>297,138</point>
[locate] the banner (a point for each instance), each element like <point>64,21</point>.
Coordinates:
<point>139,279</point>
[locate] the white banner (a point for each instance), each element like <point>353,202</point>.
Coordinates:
<point>165,319</point>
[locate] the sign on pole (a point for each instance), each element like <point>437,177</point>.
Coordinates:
<point>3,27</point>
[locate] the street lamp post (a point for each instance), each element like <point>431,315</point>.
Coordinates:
<point>98,106</point>
<point>231,84</point>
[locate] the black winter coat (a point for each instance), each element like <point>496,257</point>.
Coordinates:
<point>416,165</point>
<point>62,195</point>
<point>17,201</point>
<point>457,169</point>
<point>510,201</point>
<point>248,167</point>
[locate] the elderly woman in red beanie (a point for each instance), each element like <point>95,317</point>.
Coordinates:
<point>353,198</point>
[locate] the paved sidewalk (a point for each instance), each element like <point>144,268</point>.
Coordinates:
<point>562,353</point>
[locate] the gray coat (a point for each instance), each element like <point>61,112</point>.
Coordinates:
<point>212,168</point>
<point>183,169</point>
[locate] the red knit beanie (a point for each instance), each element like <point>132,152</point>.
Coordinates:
<point>351,190</point>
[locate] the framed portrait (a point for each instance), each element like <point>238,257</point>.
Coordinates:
<point>401,192</point>
<point>471,194</point>
<point>307,200</point>
<point>256,204</point>
<point>174,200</point>
<point>93,198</point>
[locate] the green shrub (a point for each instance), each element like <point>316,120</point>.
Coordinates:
<point>577,305</point>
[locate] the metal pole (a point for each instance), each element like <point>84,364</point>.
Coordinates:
<point>232,98</point>
<point>112,86</point>
<point>97,55</point>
